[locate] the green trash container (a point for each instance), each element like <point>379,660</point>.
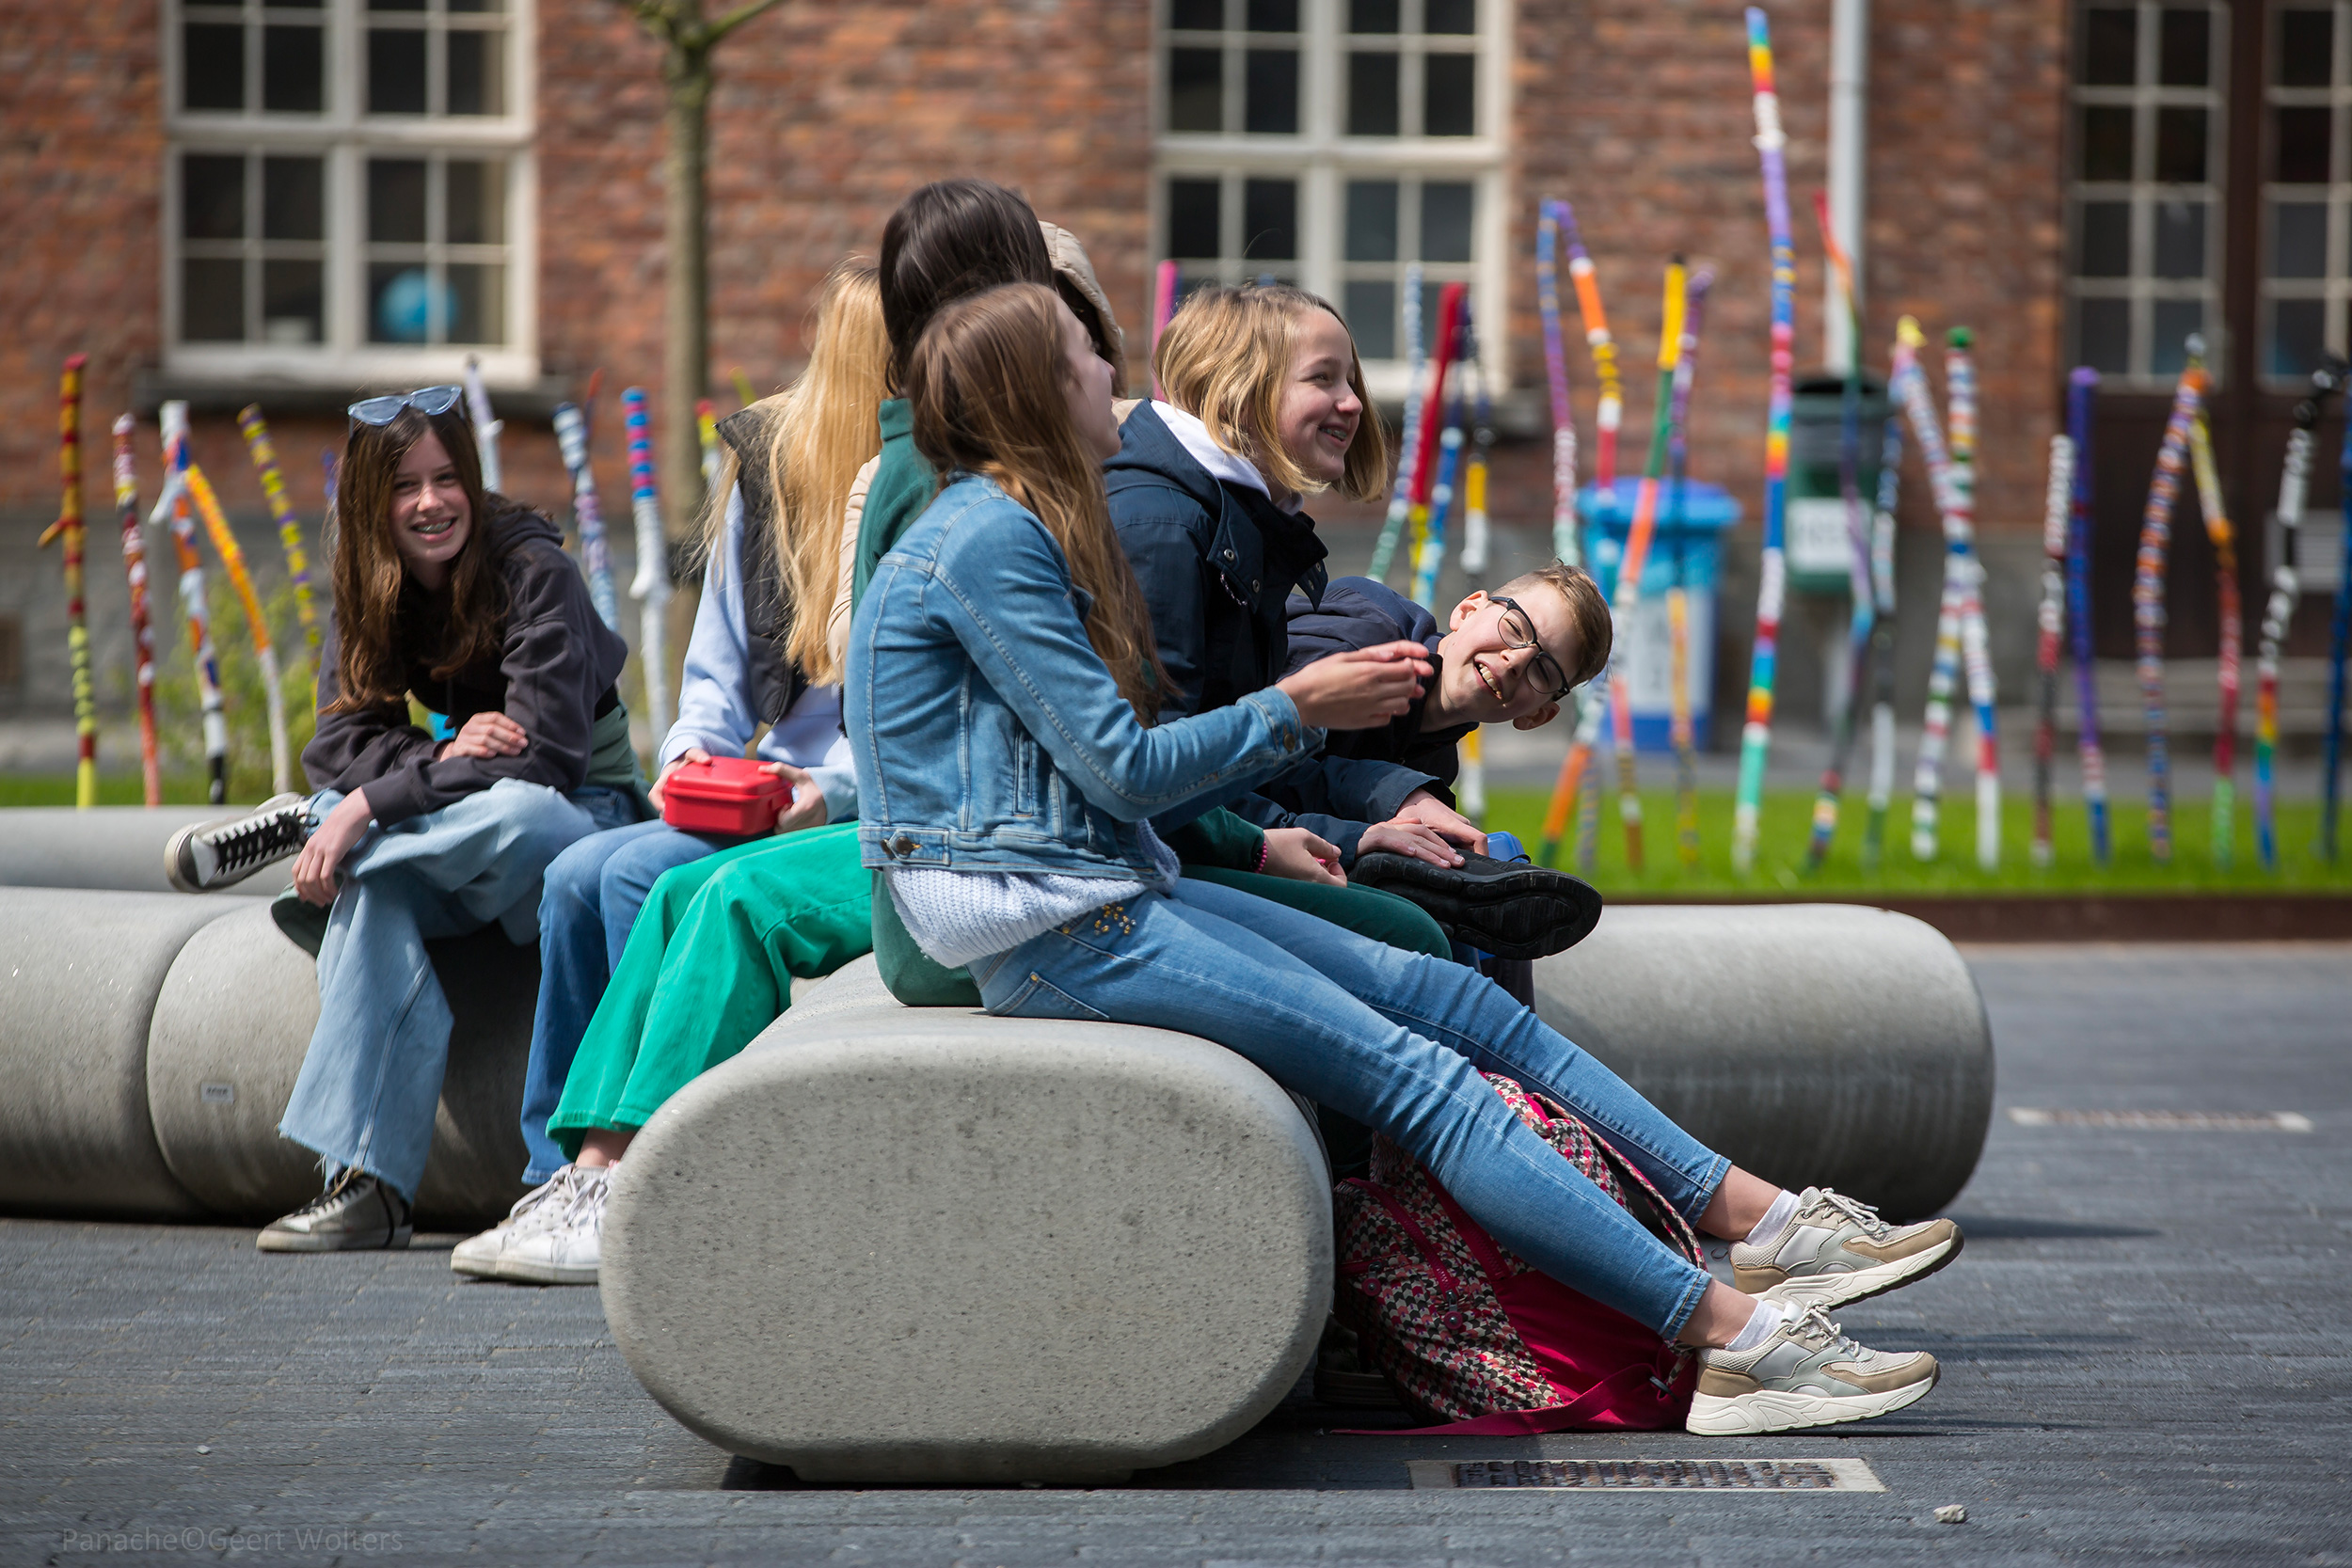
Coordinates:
<point>1820,553</point>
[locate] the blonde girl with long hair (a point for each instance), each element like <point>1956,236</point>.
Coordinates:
<point>627,912</point>
<point>999,681</point>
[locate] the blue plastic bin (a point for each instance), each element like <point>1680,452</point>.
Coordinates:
<point>1686,552</point>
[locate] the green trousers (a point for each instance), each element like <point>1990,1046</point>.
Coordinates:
<point>709,964</point>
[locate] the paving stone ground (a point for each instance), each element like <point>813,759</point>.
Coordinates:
<point>2146,1355</point>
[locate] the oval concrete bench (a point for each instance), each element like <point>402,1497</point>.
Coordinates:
<point>119,848</point>
<point>1815,1044</point>
<point>892,1244</point>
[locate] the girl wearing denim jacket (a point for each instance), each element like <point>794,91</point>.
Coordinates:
<point>1000,668</point>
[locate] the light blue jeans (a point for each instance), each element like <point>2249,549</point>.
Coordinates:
<point>1397,1040</point>
<point>594,891</point>
<point>371,1080</point>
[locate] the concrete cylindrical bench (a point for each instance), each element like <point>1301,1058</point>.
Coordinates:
<point>115,848</point>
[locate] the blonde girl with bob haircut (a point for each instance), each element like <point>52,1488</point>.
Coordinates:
<point>663,952</point>
<point>996,682</point>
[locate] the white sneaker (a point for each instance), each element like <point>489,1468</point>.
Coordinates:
<point>537,1209</point>
<point>1806,1373</point>
<point>1836,1252</point>
<point>566,1251</point>
<point>207,855</point>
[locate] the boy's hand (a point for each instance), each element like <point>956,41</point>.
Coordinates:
<point>1422,806</point>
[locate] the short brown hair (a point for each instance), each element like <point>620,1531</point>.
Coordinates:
<point>1222,360</point>
<point>1588,613</point>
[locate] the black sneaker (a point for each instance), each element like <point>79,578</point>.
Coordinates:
<point>358,1213</point>
<point>1507,907</point>
<point>207,855</point>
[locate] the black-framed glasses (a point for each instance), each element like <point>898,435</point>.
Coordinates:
<point>428,401</point>
<point>1518,631</point>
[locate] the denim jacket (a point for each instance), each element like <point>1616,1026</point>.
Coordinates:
<point>986,733</point>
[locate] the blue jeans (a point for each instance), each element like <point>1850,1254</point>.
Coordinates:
<point>1396,1040</point>
<point>594,891</point>
<point>372,1079</point>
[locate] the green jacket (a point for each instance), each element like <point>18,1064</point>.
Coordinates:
<point>903,484</point>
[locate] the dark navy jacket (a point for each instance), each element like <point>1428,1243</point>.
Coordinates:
<point>1359,612</point>
<point>1218,563</point>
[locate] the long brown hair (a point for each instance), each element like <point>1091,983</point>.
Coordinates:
<point>821,430</point>
<point>372,668</point>
<point>988,385</point>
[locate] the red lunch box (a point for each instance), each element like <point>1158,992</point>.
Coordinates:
<point>724,795</point>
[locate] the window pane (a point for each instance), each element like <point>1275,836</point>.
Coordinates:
<point>1372,95</point>
<point>1273,16</point>
<point>2302,146</point>
<point>477,204</point>
<point>395,4</point>
<point>1373,16</point>
<point>477,294</point>
<point>1196,89</point>
<point>293,302</point>
<point>2298,239</point>
<point>404,306</point>
<point>1372,221</point>
<point>212,301</point>
<point>1192,217</point>
<point>2175,319</point>
<point>1450,16</point>
<point>2110,48</point>
<point>2299,328</point>
<point>294,199</point>
<point>2182,47</point>
<point>1449,106</point>
<point>213,60</point>
<point>477,5</point>
<point>2307,49</point>
<point>293,70</point>
<point>1371,311</point>
<point>211,198</point>
<point>2104,335</point>
<point>477,73</point>
<point>2180,239</point>
<point>1204,16</point>
<point>395,71</point>
<point>1271,106</point>
<point>2103,241</point>
<point>2107,142</point>
<point>2181,146</point>
<point>1269,220</point>
<point>396,200</point>
<point>1445,222</point>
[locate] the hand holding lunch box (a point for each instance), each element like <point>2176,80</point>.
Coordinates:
<point>732,795</point>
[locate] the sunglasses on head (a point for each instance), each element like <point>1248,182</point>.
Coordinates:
<point>428,401</point>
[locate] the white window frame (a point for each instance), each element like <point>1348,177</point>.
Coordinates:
<point>2333,287</point>
<point>346,137</point>
<point>1323,160</point>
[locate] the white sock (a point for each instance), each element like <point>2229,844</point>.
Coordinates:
<point>1761,1324</point>
<point>1775,1219</point>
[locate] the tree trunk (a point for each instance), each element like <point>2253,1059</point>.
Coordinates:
<point>686,363</point>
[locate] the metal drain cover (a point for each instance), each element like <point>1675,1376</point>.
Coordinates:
<point>2165,1122</point>
<point>1649,1475</point>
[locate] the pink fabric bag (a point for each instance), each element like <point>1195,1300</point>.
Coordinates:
<point>1469,1334</point>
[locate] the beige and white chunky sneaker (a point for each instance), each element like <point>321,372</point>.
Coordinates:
<point>1837,1252</point>
<point>537,1209</point>
<point>566,1250</point>
<point>1806,1374</point>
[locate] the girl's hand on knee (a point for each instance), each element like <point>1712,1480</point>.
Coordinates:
<point>807,809</point>
<point>1360,689</point>
<point>322,852</point>
<point>1299,855</point>
<point>484,735</point>
<point>691,754</point>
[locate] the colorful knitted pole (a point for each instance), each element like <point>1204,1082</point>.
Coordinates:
<point>744,395</point>
<point>142,632</point>
<point>1477,533</point>
<point>1756,739</point>
<point>281,512</point>
<point>706,432</point>
<point>1882,791</point>
<point>1564,543</point>
<point>1679,730</point>
<point>1612,409</point>
<point>172,506</point>
<point>2338,633</point>
<point>1446,491</point>
<point>68,528</point>
<point>2232,614</point>
<point>1827,800</point>
<point>2148,612</point>
<point>2082,393</point>
<point>486,430</point>
<point>571,439</point>
<point>651,586</point>
<point>264,652</point>
<point>2057,506</point>
<point>1909,383</point>
<point>1976,645</point>
<point>1408,454</point>
<point>1163,309</point>
<point>2294,482</point>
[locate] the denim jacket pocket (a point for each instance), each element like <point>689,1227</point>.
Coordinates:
<point>1038,997</point>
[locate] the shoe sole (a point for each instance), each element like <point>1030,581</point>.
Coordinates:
<point>529,1271</point>
<point>269,1241</point>
<point>174,852</point>
<point>1832,1290</point>
<point>473,1268</point>
<point>1770,1410</point>
<point>1574,915</point>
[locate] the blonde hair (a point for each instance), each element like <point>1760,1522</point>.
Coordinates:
<point>1225,359</point>
<point>1588,613</point>
<point>821,431</point>
<point>988,384</point>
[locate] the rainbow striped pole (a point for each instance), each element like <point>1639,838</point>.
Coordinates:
<point>1564,543</point>
<point>68,528</point>
<point>2082,391</point>
<point>1678,598</point>
<point>142,630</point>
<point>2294,481</point>
<point>1959,382</point>
<point>651,586</point>
<point>1909,383</point>
<point>2224,539</point>
<point>1451,481</point>
<point>289,529</point>
<point>2056,507</point>
<point>2338,633</point>
<point>264,652</point>
<point>1881,790</point>
<point>172,506</point>
<point>485,434</point>
<point>1827,800</point>
<point>1408,438</point>
<point>2148,615</point>
<point>571,439</point>
<point>1756,739</point>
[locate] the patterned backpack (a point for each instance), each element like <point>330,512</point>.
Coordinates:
<point>1469,1334</point>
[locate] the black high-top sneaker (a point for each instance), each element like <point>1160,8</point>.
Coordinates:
<point>359,1213</point>
<point>207,855</point>
<point>1507,907</point>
